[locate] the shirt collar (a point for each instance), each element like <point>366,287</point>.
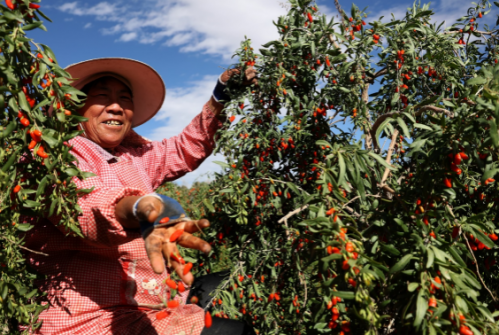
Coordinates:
<point>103,152</point>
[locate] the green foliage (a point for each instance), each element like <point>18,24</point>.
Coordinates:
<point>36,168</point>
<point>397,235</point>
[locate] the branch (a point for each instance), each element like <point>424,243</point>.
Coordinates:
<point>477,269</point>
<point>387,188</point>
<point>290,214</point>
<point>23,247</point>
<point>365,99</point>
<point>357,197</point>
<point>389,155</point>
<point>33,251</point>
<point>282,182</point>
<point>220,288</point>
<point>331,39</point>
<point>337,121</point>
<point>491,33</point>
<point>340,11</point>
<point>381,72</point>
<point>434,109</point>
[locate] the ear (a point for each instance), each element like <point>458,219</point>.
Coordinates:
<point>145,280</point>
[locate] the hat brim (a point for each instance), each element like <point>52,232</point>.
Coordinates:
<point>146,84</point>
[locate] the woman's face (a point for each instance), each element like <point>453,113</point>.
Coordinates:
<point>109,109</point>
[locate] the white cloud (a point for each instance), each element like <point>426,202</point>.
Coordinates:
<point>213,27</point>
<point>88,25</point>
<point>127,37</point>
<point>101,9</point>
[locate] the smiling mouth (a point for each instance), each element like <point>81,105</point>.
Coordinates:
<point>113,123</point>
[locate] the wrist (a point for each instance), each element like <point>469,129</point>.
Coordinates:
<point>219,94</point>
<point>124,212</point>
<point>169,213</point>
<point>215,107</point>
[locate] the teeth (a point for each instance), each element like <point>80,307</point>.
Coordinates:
<point>114,123</point>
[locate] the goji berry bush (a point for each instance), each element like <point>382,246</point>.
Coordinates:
<point>332,230</point>
<point>36,168</point>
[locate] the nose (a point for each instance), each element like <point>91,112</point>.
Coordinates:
<point>115,107</point>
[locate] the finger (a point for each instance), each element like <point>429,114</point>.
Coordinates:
<point>154,247</point>
<point>234,71</point>
<point>170,248</point>
<point>195,225</point>
<point>193,242</point>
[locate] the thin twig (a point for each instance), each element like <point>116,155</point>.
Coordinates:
<point>282,182</point>
<point>381,72</point>
<point>290,214</point>
<point>337,121</point>
<point>33,251</point>
<point>357,197</point>
<point>23,247</point>
<point>477,269</point>
<point>218,290</point>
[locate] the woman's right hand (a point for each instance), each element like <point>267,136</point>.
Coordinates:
<point>157,243</point>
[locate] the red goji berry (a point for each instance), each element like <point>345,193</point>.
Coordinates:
<point>176,235</point>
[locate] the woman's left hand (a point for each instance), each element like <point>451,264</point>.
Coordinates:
<point>161,250</point>
<point>250,77</point>
<point>157,243</point>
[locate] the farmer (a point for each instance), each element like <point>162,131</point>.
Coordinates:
<point>112,281</point>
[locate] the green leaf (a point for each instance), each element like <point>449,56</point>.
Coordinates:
<point>341,163</point>
<point>421,308</point>
<point>422,126</point>
<point>476,81</point>
<point>381,161</point>
<point>381,127</point>
<point>222,164</point>
<point>23,103</point>
<point>209,205</point>
<point>494,135</point>
<point>293,188</point>
<point>430,258</point>
<point>344,294</point>
<point>489,174</point>
<point>402,263</point>
<point>24,226</point>
<point>71,172</point>
<point>404,128</point>
<point>41,186</point>
<point>31,204</point>
<point>412,287</point>
<point>483,238</point>
<point>390,248</point>
<point>51,141</point>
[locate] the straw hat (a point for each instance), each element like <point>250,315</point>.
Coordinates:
<point>145,83</point>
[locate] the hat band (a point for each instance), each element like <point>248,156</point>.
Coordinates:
<point>80,84</point>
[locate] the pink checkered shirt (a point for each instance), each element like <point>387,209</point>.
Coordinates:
<point>104,284</point>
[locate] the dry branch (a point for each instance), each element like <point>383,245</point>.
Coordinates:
<point>389,156</point>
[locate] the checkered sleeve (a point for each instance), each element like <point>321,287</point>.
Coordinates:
<point>172,158</point>
<point>98,221</point>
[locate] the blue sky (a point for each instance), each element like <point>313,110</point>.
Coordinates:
<point>188,42</point>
